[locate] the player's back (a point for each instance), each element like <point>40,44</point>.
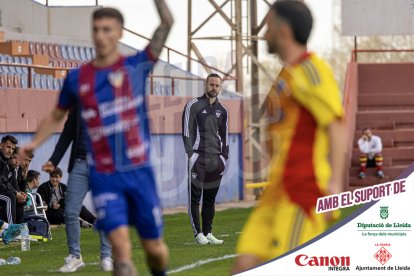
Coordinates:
<point>113,110</point>
<point>302,103</point>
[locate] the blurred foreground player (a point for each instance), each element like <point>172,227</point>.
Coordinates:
<point>304,128</point>
<point>111,93</point>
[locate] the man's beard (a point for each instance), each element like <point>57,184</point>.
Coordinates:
<point>271,48</point>
<point>212,94</point>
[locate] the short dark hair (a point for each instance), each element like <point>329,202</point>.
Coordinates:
<point>365,129</point>
<point>108,13</point>
<point>32,175</point>
<point>9,138</point>
<point>56,172</point>
<point>212,75</point>
<point>16,150</point>
<point>297,15</point>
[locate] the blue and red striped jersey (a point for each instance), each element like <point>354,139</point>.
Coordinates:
<point>113,110</point>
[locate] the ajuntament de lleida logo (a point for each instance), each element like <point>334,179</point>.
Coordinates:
<point>384,212</point>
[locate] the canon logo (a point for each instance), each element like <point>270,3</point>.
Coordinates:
<point>304,260</point>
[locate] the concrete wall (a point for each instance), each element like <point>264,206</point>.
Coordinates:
<point>35,18</point>
<point>377,17</point>
<point>386,78</point>
<point>78,18</point>
<point>32,17</point>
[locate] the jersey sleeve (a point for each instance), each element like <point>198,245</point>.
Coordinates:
<point>143,60</point>
<point>67,96</point>
<point>315,89</point>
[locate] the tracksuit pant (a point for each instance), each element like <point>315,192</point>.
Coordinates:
<point>8,206</point>
<point>204,177</point>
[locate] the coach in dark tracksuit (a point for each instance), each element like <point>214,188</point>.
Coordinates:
<point>205,135</point>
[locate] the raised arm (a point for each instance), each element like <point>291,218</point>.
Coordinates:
<point>161,33</point>
<point>363,145</point>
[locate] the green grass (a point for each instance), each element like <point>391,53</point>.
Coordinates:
<point>45,258</point>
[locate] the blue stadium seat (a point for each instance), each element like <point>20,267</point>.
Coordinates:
<point>23,81</point>
<point>36,81</point>
<point>76,53</point>
<point>28,60</point>
<point>49,82</point>
<point>88,53</point>
<point>82,53</point>
<point>55,84</point>
<point>5,69</point>
<point>71,54</point>
<point>20,70</point>
<point>12,69</point>
<point>64,52</point>
<point>43,82</point>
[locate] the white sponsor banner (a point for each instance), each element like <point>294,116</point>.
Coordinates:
<point>378,241</point>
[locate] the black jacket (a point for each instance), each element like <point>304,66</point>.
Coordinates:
<point>46,190</point>
<point>6,176</point>
<point>205,127</point>
<point>71,133</point>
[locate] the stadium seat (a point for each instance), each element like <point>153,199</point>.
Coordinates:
<point>88,53</point>
<point>31,48</point>
<point>76,53</point>
<point>43,82</point>
<point>12,69</point>
<point>49,82</point>
<point>16,81</point>
<point>60,83</point>
<point>82,54</point>
<point>71,54</point>
<point>36,81</point>
<point>64,52</point>
<point>28,60</point>
<point>3,80</point>
<point>4,68</point>
<point>51,50</point>
<point>23,81</point>
<point>38,48</point>
<point>45,49</point>
<point>57,51</point>
<point>9,80</point>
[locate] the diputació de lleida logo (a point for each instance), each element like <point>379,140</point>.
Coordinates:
<point>384,212</point>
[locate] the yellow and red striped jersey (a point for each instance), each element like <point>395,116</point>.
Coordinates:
<point>301,104</point>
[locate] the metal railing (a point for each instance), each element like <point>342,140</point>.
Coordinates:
<point>170,50</point>
<point>226,76</point>
<point>31,67</point>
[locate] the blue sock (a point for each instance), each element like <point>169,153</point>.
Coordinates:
<point>158,273</point>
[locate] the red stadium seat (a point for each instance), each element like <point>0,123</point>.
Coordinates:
<point>57,51</point>
<point>16,81</point>
<point>45,50</point>
<point>32,50</point>
<point>51,50</point>
<point>3,80</point>
<point>10,80</point>
<point>38,48</point>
